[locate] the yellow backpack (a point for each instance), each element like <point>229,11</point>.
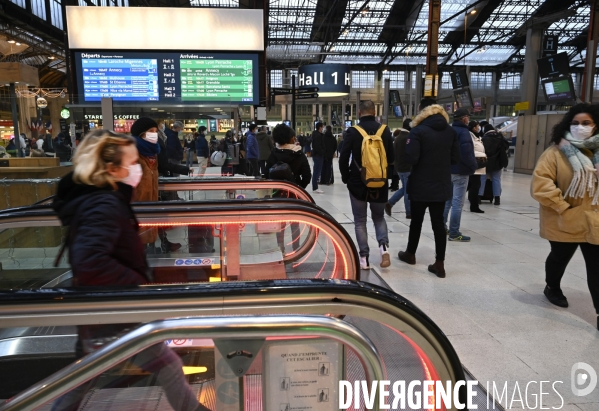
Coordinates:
<point>374,158</point>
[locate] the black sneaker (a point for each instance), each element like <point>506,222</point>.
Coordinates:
<point>555,296</point>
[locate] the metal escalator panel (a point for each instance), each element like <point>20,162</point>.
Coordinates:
<point>299,369</point>
<point>191,242</point>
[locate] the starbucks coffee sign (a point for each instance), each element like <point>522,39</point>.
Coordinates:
<point>332,80</point>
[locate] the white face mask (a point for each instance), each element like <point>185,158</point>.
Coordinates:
<point>162,127</point>
<point>151,137</point>
<point>581,132</point>
<point>134,177</point>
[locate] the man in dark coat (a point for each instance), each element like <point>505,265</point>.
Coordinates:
<point>318,153</point>
<point>460,173</point>
<point>174,149</point>
<point>432,147</point>
<point>360,195</point>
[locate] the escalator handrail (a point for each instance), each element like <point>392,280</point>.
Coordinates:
<point>148,303</point>
<point>288,326</point>
<point>216,184</point>
<point>234,184</point>
<point>219,208</point>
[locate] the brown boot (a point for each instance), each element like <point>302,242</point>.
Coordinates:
<point>407,257</point>
<point>438,268</point>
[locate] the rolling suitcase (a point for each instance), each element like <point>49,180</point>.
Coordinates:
<point>488,193</point>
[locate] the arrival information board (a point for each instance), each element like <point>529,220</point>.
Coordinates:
<point>167,77</point>
<point>217,80</point>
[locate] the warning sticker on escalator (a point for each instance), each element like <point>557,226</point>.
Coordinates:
<point>193,262</point>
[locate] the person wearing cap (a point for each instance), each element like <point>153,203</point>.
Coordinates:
<point>460,173</point>
<point>432,147</point>
<point>174,149</point>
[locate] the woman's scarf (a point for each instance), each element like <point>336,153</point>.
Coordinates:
<point>586,173</point>
<point>146,148</point>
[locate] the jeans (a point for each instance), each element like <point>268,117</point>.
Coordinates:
<point>189,159</point>
<point>318,161</point>
<point>560,256</point>
<point>327,171</point>
<point>460,184</point>
<point>158,360</point>
<point>436,212</point>
<point>496,178</point>
<point>377,210</point>
<point>402,192</point>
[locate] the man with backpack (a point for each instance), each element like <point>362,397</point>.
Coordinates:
<point>370,147</point>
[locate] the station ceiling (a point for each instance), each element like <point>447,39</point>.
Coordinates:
<point>381,34</point>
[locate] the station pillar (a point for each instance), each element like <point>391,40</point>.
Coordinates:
<point>530,76</point>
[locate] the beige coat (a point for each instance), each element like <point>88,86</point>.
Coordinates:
<point>562,219</point>
<point>479,151</point>
<point>147,190</point>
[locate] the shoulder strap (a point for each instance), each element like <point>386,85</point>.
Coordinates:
<point>361,131</point>
<point>381,130</point>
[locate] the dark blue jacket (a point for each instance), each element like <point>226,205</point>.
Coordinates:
<point>252,150</point>
<point>467,165</point>
<point>104,244</point>
<point>432,147</point>
<point>202,149</point>
<point>174,149</point>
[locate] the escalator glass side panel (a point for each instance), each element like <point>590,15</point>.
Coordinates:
<point>198,242</point>
<point>411,347</point>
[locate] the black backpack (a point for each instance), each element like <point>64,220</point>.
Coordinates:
<point>281,171</point>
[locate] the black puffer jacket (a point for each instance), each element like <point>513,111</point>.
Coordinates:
<point>399,145</point>
<point>432,147</point>
<point>350,173</point>
<point>297,162</point>
<point>496,150</point>
<point>318,146</point>
<point>104,245</point>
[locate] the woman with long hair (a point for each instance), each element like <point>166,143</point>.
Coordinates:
<point>565,183</point>
<point>105,251</point>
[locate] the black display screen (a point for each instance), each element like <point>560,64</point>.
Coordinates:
<point>463,97</point>
<point>168,77</point>
<point>559,90</point>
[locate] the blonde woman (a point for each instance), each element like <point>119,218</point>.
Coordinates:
<point>105,250</point>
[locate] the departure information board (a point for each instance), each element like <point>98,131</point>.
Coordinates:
<point>167,77</point>
<point>126,79</point>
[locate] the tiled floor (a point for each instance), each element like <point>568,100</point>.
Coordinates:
<point>491,305</point>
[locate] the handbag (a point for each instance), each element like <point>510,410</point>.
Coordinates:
<point>481,162</point>
<point>218,158</point>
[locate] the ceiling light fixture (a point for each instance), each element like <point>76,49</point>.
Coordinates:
<point>366,10</point>
<point>345,32</point>
<point>18,44</point>
<point>51,57</point>
<point>11,41</point>
<point>473,11</point>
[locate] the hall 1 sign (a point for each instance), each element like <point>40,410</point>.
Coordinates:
<point>331,79</point>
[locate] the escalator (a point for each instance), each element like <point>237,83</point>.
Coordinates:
<point>342,330</point>
<point>219,241</point>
